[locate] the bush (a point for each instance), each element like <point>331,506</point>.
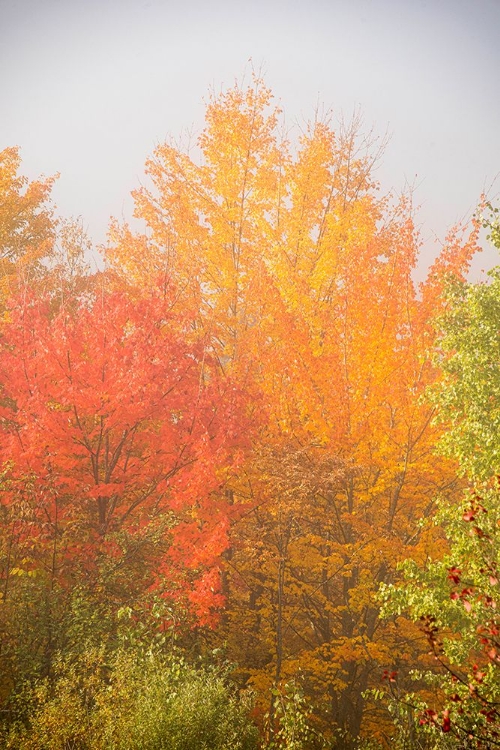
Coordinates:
<point>134,701</point>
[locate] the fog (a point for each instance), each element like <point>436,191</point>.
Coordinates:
<point>89,87</point>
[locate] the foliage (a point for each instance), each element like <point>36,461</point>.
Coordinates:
<point>66,274</point>
<point>228,416</point>
<point>118,436</point>
<point>492,224</point>
<point>133,698</point>
<point>27,225</point>
<point>288,723</point>
<point>455,598</point>
<point>301,272</point>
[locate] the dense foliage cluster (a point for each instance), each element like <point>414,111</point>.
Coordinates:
<point>455,597</point>
<point>220,458</point>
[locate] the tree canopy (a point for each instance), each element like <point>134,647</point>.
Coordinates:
<point>228,424</point>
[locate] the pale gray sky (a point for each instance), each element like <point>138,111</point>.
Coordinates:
<point>90,86</point>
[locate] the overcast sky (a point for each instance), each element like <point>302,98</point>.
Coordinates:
<point>88,87</point>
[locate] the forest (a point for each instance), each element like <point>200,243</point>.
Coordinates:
<point>250,467</point>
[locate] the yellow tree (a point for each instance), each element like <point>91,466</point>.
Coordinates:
<point>301,274</point>
<point>27,225</point>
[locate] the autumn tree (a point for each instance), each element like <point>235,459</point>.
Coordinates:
<point>27,224</point>
<point>302,274</point>
<point>117,437</point>
<point>67,272</point>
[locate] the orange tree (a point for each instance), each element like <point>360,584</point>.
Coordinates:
<point>117,435</point>
<point>301,273</point>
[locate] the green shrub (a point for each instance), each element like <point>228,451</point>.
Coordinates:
<point>134,701</point>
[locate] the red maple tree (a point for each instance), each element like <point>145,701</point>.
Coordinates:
<point>117,434</point>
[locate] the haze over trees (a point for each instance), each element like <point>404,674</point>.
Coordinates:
<point>218,452</point>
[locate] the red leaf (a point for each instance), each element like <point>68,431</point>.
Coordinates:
<point>446,725</point>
